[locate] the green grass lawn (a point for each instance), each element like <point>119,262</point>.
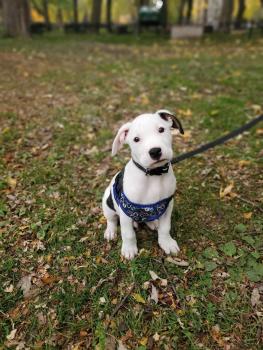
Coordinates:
<point>61,285</point>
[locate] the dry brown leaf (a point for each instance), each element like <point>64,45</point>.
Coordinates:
<point>156,337</point>
<point>259,132</point>
<point>25,285</point>
<point>48,279</point>
<point>177,261</point>
<point>227,190</point>
<point>255,297</point>
<point>216,335</point>
<point>187,135</point>
<point>110,343</point>
<point>154,275</point>
<point>154,294</point>
<point>9,289</point>
<point>121,346</point>
<point>102,301</point>
<point>256,108</point>
<point>42,319</point>
<point>11,335</point>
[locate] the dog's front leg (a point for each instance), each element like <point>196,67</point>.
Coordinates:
<point>129,244</point>
<point>166,242</point>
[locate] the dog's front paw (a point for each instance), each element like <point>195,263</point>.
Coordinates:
<point>170,246</point>
<point>129,250</point>
<point>110,234</point>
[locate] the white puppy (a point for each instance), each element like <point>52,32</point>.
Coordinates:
<point>143,190</point>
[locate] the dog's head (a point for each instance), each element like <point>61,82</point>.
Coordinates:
<point>149,137</point>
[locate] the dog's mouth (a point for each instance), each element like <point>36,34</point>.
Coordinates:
<point>160,161</point>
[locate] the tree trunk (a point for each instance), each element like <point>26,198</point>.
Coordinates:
<point>59,18</point>
<point>181,11</point>
<point>96,13</point>
<point>240,13</point>
<point>75,11</point>
<point>189,11</point>
<point>164,14</point>
<point>46,14</point>
<point>226,16</point>
<point>108,15</point>
<point>16,17</point>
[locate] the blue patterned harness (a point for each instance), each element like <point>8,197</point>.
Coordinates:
<point>137,212</point>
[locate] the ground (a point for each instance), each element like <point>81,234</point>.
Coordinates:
<point>62,286</point>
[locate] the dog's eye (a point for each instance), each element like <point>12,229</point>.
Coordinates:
<point>136,139</point>
<point>161,129</point>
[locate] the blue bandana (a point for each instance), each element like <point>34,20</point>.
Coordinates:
<point>138,212</point>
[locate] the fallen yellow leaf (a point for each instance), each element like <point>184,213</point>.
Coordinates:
<point>243,162</point>
<point>143,341</point>
<point>138,298</point>
<point>102,220</point>
<point>185,112</point>
<point>247,215</point>
<point>11,182</point>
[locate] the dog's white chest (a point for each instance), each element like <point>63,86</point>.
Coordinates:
<point>145,189</point>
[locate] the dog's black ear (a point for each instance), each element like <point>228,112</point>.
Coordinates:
<point>166,115</point>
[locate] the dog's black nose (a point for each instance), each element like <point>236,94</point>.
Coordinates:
<point>155,153</point>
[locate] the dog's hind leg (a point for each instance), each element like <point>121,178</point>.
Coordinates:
<point>111,217</point>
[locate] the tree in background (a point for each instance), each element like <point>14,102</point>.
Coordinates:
<point>240,13</point>
<point>42,9</point>
<point>182,5</point>
<point>75,12</point>
<point>96,14</point>
<point>16,17</point>
<point>164,14</point>
<point>108,15</point>
<point>226,16</point>
<point>46,14</point>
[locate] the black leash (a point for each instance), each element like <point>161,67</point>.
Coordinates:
<point>218,141</point>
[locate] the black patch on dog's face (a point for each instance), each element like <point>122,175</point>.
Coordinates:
<point>176,124</point>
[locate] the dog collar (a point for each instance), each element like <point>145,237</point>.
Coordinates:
<point>154,171</point>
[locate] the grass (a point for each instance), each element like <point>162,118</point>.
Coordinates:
<point>62,100</point>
